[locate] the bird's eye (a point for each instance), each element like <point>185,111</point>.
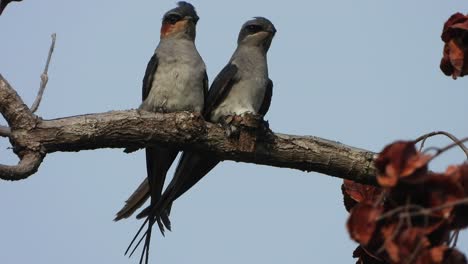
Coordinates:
<point>254,28</point>
<point>172,18</point>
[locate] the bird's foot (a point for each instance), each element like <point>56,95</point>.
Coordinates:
<point>229,126</point>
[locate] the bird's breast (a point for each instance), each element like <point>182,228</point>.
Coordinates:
<point>246,96</point>
<point>178,85</point>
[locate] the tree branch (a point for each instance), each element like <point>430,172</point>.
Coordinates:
<point>28,165</point>
<point>137,129</point>
<point>13,109</point>
<point>44,76</point>
<point>5,131</point>
<point>33,137</point>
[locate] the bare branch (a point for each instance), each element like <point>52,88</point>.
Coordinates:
<point>44,76</point>
<point>137,129</point>
<point>5,131</point>
<point>16,113</point>
<point>442,150</point>
<point>28,165</point>
<point>423,139</point>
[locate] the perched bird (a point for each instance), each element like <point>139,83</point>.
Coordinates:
<point>242,87</point>
<point>175,80</point>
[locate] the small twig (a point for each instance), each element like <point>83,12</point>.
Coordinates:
<point>454,238</point>
<point>440,207</point>
<point>423,139</point>
<point>5,131</point>
<point>416,251</point>
<point>419,210</point>
<point>44,77</point>
<point>398,228</point>
<point>407,210</point>
<point>399,209</point>
<point>442,150</point>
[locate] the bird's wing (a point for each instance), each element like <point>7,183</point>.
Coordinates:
<point>158,159</point>
<point>267,99</point>
<point>149,75</point>
<point>205,87</point>
<point>193,166</point>
<point>220,87</point>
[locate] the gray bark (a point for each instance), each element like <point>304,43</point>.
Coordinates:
<point>32,138</point>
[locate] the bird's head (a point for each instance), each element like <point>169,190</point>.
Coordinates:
<point>180,22</point>
<point>257,32</point>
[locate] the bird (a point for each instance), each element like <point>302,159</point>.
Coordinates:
<point>242,87</point>
<point>175,80</point>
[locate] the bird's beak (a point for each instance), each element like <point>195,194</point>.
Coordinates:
<point>271,30</point>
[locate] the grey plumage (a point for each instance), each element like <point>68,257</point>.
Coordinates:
<point>178,81</point>
<point>184,9</point>
<point>243,86</point>
<point>175,80</point>
<point>247,93</point>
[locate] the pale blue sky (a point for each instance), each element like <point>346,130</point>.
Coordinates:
<point>361,72</point>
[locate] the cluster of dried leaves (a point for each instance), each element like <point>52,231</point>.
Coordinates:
<point>455,36</point>
<point>415,214</point>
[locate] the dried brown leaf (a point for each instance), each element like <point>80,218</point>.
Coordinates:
<point>455,36</point>
<point>433,255</point>
<point>362,222</point>
<point>442,189</point>
<point>402,245</point>
<point>448,32</point>
<point>460,173</point>
<point>399,159</point>
<point>453,256</point>
<point>365,257</point>
<point>361,192</point>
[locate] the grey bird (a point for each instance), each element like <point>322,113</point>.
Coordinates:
<point>175,80</point>
<point>242,87</point>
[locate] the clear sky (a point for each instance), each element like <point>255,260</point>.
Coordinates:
<point>362,72</point>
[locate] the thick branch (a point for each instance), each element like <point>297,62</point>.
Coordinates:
<point>13,109</point>
<point>119,129</point>
<point>5,131</point>
<point>28,165</point>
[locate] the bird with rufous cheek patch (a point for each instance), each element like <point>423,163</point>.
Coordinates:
<point>168,29</point>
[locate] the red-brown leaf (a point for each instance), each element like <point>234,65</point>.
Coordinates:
<point>455,36</point>
<point>460,174</point>
<point>447,32</point>
<point>361,192</point>
<point>399,159</point>
<point>433,255</point>
<point>364,257</point>
<point>389,233</point>
<point>401,244</point>
<point>443,189</point>
<point>453,256</point>
<point>362,222</point>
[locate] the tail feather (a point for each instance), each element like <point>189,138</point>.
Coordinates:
<point>135,201</point>
<point>135,237</point>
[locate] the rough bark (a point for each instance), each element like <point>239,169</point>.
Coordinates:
<point>32,138</point>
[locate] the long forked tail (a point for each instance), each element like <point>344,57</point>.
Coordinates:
<point>146,236</point>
